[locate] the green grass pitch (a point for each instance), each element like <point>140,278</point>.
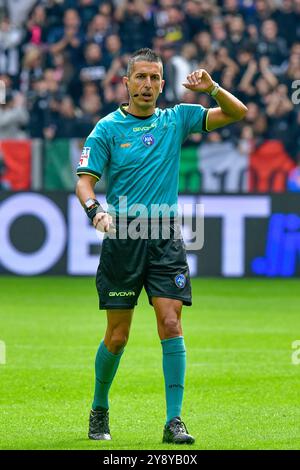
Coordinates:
<point>242,390</point>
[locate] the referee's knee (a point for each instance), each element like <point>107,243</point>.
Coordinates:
<point>116,342</point>
<point>169,327</point>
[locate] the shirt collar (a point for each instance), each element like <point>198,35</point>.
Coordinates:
<point>127,113</point>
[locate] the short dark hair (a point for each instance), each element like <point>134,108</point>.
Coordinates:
<point>145,54</point>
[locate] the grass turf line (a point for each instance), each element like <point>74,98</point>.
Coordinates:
<point>242,391</point>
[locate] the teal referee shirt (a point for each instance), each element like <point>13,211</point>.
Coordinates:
<point>140,156</point>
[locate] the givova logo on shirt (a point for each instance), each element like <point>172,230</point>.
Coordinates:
<point>85,155</point>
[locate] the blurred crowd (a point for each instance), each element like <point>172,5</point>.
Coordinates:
<point>62,62</point>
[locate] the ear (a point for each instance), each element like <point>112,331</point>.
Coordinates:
<point>125,81</point>
<point>162,86</point>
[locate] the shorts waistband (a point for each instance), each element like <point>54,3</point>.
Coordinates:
<point>121,219</point>
<point>151,229</point>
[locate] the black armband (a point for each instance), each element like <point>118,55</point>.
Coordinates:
<point>91,207</point>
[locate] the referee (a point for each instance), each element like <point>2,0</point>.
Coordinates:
<point>139,147</point>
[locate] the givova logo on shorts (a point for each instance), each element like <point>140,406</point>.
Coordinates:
<point>121,294</point>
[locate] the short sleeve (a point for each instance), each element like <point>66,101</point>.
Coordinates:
<point>192,118</point>
<point>95,154</point>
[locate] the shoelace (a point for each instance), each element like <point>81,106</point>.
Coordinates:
<point>179,426</point>
<point>100,419</point>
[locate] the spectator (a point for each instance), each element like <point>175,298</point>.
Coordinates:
<point>230,9</point>
<point>37,31</point>
<point>87,9</point>
<point>116,71</point>
<point>13,117</point>
<point>286,21</point>
<point>297,16</point>
<point>236,36</point>
<point>257,79</point>
<point>18,11</point>
<point>182,64</point>
<point>226,62</point>
<point>203,42</point>
<point>257,120</point>
<point>91,107</point>
<point>272,45</point>
<point>218,63</point>
<point>113,49</point>
<point>66,124</point>
<point>38,106</point>
<point>245,55</point>
<point>281,120</point>
<point>209,10</point>
<point>293,66</point>
<point>262,11</point>
<point>120,93</point>
<point>6,84</point>
<point>218,32</point>
<point>63,70</point>
<point>98,29</point>
<point>135,30</point>
<point>195,21</point>
<point>54,14</point>
<point>167,54</point>
<point>266,73</point>
<point>92,70</point>
<point>89,89</point>
<point>106,8</point>
<point>44,102</point>
<point>246,140</point>
<point>110,103</point>
<point>32,68</point>
<point>174,31</point>
<point>161,15</point>
<point>10,39</point>
<point>69,38</point>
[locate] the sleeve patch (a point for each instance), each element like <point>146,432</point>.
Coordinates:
<point>85,155</point>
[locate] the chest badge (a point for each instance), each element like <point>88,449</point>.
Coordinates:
<point>148,140</point>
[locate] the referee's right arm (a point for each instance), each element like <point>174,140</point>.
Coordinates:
<point>85,191</point>
<point>85,188</point>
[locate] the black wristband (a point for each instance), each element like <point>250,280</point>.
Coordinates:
<point>91,207</point>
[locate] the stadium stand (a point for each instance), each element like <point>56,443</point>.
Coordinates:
<point>62,63</point>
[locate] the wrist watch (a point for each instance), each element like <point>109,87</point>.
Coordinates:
<point>91,207</point>
<point>90,204</point>
<point>215,89</point>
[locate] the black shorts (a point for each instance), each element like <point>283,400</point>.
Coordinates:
<point>160,265</point>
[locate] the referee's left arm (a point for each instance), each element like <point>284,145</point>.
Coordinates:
<point>230,109</point>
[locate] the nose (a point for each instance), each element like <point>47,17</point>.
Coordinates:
<point>148,82</point>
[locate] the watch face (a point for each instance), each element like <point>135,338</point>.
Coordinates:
<point>89,203</point>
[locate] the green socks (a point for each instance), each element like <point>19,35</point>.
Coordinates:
<point>174,360</point>
<point>106,366</point>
